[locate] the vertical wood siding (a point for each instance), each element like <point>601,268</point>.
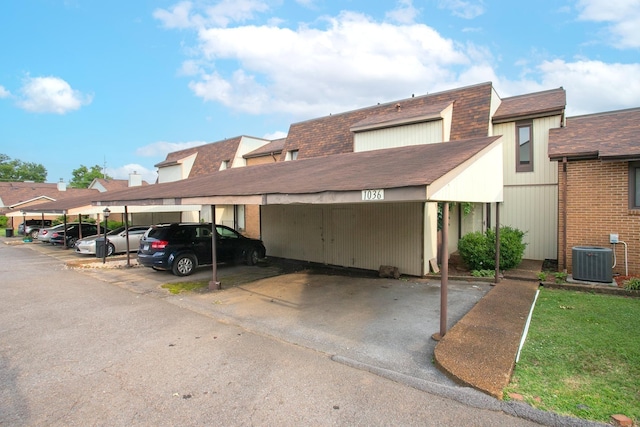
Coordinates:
<point>360,235</point>
<point>531,198</point>
<point>420,133</point>
<point>532,209</point>
<point>544,170</point>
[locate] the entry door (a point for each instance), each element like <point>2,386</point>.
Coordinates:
<point>340,237</point>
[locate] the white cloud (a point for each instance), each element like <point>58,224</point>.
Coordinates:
<point>622,15</point>
<point>275,135</point>
<point>305,71</point>
<point>405,13</point>
<point>4,93</point>
<point>592,86</point>
<point>162,148</point>
<point>50,95</point>
<point>122,172</point>
<point>184,15</point>
<point>463,9</point>
<point>351,60</point>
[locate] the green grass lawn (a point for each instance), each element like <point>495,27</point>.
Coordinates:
<point>582,356</point>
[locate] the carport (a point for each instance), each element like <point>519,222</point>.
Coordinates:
<point>412,179</point>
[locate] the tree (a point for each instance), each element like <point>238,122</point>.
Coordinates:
<point>17,170</point>
<point>83,176</point>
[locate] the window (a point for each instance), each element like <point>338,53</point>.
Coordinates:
<point>224,165</point>
<point>524,147</point>
<point>634,185</point>
<point>292,155</point>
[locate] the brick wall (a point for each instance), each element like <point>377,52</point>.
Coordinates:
<point>597,205</point>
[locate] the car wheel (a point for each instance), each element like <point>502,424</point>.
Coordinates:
<point>34,234</point>
<point>252,256</point>
<point>184,265</point>
<point>111,249</point>
<point>72,242</point>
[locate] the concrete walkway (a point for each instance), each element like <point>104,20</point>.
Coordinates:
<point>480,350</point>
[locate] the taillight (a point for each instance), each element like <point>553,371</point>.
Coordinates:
<point>159,244</point>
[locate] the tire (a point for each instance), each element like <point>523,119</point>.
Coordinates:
<point>184,265</point>
<point>72,242</point>
<point>34,234</point>
<point>252,256</point>
<point>111,250</point>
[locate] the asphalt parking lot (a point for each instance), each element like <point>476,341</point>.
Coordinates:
<point>382,324</point>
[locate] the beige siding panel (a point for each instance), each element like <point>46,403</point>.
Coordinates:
<point>293,231</point>
<point>359,235</point>
<point>400,136</point>
<point>533,209</point>
<point>544,170</point>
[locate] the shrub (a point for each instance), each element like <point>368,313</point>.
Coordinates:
<point>3,221</point>
<point>478,249</point>
<point>632,284</point>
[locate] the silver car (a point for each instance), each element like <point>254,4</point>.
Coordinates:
<point>116,241</point>
<point>44,234</point>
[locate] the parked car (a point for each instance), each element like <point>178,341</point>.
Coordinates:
<point>181,248</point>
<point>33,226</point>
<point>116,241</point>
<point>44,234</point>
<point>72,233</point>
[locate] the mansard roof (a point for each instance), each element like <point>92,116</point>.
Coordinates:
<point>333,135</point>
<point>611,135</point>
<point>538,104</point>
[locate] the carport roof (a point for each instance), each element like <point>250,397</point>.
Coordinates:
<point>295,181</point>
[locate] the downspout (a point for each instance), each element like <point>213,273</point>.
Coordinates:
<point>565,186</point>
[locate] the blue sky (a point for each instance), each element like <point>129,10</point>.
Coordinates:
<point>122,83</point>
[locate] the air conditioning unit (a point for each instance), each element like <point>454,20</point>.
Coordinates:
<point>592,264</point>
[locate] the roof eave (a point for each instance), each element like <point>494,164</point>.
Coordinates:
<point>528,115</point>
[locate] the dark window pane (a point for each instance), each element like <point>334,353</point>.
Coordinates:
<point>524,141</point>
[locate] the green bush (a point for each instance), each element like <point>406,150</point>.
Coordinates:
<point>3,221</point>
<point>632,284</point>
<point>478,250</point>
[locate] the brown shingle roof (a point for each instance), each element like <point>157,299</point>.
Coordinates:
<point>273,147</point>
<point>62,205</point>
<point>611,135</point>
<point>400,115</point>
<point>332,134</point>
<point>209,156</point>
<point>16,193</point>
<point>381,169</point>
<point>531,105</point>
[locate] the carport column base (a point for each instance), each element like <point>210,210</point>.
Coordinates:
<point>215,286</point>
<point>436,336</point>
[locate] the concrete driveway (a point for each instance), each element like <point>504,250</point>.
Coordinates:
<point>381,323</point>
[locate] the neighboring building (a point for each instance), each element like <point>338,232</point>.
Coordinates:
<point>268,153</point>
<point>598,158</point>
<point>208,158</point>
<point>20,196</point>
<point>102,184</point>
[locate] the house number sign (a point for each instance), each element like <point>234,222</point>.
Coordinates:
<point>372,195</point>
